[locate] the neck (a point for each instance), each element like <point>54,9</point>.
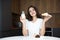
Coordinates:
<point>34,18</point>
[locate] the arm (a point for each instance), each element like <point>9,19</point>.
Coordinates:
<point>24,30</point>
<point>42,30</point>
<point>46,18</point>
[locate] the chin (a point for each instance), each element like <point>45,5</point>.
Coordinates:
<point>33,15</point>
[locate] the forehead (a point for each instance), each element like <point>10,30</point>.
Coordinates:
<point>31,8</point>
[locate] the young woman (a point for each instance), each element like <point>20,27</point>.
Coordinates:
<point>33,23</point>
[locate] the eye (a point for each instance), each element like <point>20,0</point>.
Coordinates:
<point>33,9</point>
<point>29,10</point>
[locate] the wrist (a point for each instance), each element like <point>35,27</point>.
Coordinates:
<point>24,23</point>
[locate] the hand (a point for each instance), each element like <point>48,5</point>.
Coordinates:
<point>23,20</point>
<point>45,14</point>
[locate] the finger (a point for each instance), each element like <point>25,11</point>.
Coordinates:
<point>20,17</point>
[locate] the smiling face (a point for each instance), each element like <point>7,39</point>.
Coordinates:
<point>32,11</point>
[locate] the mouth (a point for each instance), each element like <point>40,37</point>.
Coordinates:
<point>33,13</point>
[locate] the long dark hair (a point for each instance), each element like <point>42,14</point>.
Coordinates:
<point>29,17</point>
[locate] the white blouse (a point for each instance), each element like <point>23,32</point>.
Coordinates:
<point>34,28</point>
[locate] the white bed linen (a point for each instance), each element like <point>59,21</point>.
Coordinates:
<point>30,38</point>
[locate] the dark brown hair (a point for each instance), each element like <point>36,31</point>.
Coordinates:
<point>29,17</point>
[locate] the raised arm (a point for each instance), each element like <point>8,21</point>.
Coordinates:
<point>46,18</point>
<point>42,30</point>
<point>24,30</point>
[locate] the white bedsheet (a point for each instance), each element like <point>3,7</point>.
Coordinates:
<point>30,38</point>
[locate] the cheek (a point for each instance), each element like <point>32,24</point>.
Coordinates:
<point>30,13</point>
<point>35,12</point>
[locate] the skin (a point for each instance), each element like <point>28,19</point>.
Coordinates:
<point>33,14</point>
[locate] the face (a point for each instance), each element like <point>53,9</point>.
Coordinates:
<point>32,11</point>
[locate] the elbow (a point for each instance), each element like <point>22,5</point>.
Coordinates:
<point>42,33</point>
<point>24,33</point>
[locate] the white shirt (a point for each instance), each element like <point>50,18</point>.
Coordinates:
<point>34,28</point>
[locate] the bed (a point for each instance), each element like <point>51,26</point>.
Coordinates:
<point>30,38</point>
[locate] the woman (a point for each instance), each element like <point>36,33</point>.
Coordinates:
<point>34,24</point>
